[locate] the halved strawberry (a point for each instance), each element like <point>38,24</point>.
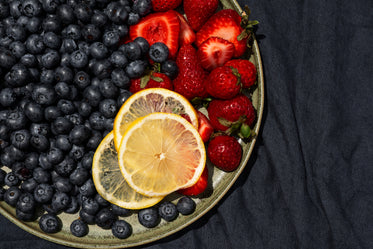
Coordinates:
<point>199,187</point>
<point>164,5</point>
<point>187,35</point>
<point>159,27</point>
<point>225,26</point>
<point>214,52</point>
<point>205,128</point>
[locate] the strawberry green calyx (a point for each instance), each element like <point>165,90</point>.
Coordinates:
<point>247,25</point>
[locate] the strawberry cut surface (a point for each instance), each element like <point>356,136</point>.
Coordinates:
<point>159,27</point>
<point>214,52</point>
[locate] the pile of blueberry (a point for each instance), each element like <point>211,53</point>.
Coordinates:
<point>63,76</point>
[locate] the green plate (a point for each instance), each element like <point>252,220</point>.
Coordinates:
<point>220,183</point>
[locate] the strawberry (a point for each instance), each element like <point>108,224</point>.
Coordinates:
<point>232,113</point>
<point>199,187</point>
<point>151,80</point>
<point>223,83</point>
<point>246,69</point>
<point>205,128</point>
<point>224,152</point>
<point>187,35</point>
<point>225,26</point>
<point>214,52</point>
<point>159,27</point>
<point>164,5</point>
<point>190,79</point>
<point>199,11</point>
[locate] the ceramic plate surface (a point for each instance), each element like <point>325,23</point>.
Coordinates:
<point>220,183</point>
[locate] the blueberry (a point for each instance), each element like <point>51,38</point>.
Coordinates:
<point>170,68</point>
<point>105,218</point>
<point>63,90</point>
<point>51,113</point>
<point>16,119</point>
<point>142,7</point>
<point>79,228</point>
<point>101,68</point>
<point>83,12</point>
<point>34,44</point>
<point>98,50</point>
<point>30,216</point>
<point>78,59</point>
<point>34,24</point>
<point>75,118</point>
<point>73,206</point>
<point>77,152</point>
<point>87,160</point>
<point>149,217</point>
<point>26,203</point>
<point>18,49</point>
<point>2,177</point>
<point>186,205</point>
<point>132,51</point>
<point>79,135</point>
<point>4,10</point>
<point>63,184</point>
<point>120,211</point>
<point>34,112</point>
<point>50,59</point>
<point>81,79</point>
<point>91,33</point>
<point>40,129</point>
<point>66,106</point>
<point>20,139</point>
<point>79,176</point>
<point>90,206</point>
<point>88,188</point>
<point>133,18</point>
<point>158,52</point>
<point>11,179</point>
<point>84,109</point>
<point>66,167</point>
<point>68,45</point>
<point>55,155</point>
<point>168,211</point>
<point>51,23</point>
<point>44,94</point>
<point>41,175</point>
<point>60,201</point>
<point>136,69</point>
<point>19,75</point>
<point>15,8</point>
<point>101,201</point>
<point>50,6</point>
<point>31,160</point>
<point>7,97</point>
<point>31,8</point>
<point>121,229</point>
<point>29,60</point>
<point>43,161</point>
<point>143,43</point>
<point>92,95</point>
<point>121,29</point>
<point>61,125</point>
<point>108,89</point>
<point>97,121</point>
<point>108,108</point>
<point>50,223</point>
<point>88,218</point>
<point>94,141</point>
<point>29,185</point>
<point>110,38</point>
<point>47,76</point>
<point>99,18</point>
<point>16,32</point>
<point>7,59</point>
<point>120,78</point>
<point>12,195</point>
<point>118,59</point>
<point>72,31</point>
<point>63,143</point>
<point>65,13</point>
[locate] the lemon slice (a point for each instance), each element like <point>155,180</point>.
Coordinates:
<point>148,101</point>
<point>109,180</point>
<point>161,153</point>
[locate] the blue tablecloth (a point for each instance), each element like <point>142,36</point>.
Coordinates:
<point>309,182</point>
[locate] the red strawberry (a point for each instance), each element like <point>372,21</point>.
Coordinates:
<point>187,35</point>
<point>214,52</point>
<point>199,11</point>
<point>159,27</point>
<point>151,81</point>
<point>223,83</point>
<point>226,114</point>
<point>224,152</point>
<point>246,69</point>
<point>199,187</point>
<point>223,25</point>
<point>190,79</point>
<point>164,5</point>
<point>205,128</point>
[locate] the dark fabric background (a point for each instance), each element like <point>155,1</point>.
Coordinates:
<point>309,182</point>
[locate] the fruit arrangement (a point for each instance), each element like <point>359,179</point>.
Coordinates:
<point>108,108</point>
